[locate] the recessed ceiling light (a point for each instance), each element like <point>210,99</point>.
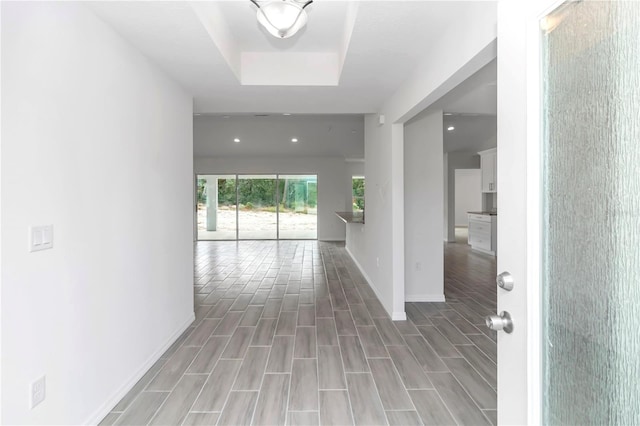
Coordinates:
<point>450,128</point>
<point>353,131</point>
<point>286,113</point>
<point>448,113</point>
<point>236,140</point>
<point>197,114</point>
<point>294,140</point>
<point>225,116</point>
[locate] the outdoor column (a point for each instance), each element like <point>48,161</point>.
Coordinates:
<point>212,203</point>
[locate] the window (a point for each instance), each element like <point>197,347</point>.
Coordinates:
<point>358,193</point>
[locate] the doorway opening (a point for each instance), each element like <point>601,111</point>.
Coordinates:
<point>257,207</point>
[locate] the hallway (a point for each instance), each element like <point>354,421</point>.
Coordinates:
<point>290,333</point>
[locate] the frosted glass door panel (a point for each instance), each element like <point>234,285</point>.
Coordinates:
<point>591,202</point>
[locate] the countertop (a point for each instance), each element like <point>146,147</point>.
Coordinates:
<point>351,217</point>
<point>485,213</point>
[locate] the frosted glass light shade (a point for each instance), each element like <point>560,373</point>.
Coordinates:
<point>282,18</point>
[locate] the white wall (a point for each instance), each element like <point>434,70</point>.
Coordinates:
<point>468,195</point>
<point>423,202</point>
<point>333,182</point>
<point>461,51</point>
<point>370,244</point>
<point>97,142</point>
<point>452,162</point>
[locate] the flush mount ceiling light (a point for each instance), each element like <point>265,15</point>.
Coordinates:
<point>236,140</point>
<point>294,140</point>
<point>450,128</point>
<point>282,18</point>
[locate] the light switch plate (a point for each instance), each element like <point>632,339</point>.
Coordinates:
<point>40,237</point>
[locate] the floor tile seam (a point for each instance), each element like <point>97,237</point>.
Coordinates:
<point>395,369</point>
<point>344,373</point>
<point>375,385</point>
<point>445,405</point>
<point>164,402</point>
<point>454,326</point>
<point>464,389</point>
<point>428,344</point>
<point>478,372</point>
<point>143,389</point>
<point>260,387</point>
<point>286,417</point>
<point>138,396</point>
<point>483,352</point>
<point>209,376</point>
<point>467,391</point>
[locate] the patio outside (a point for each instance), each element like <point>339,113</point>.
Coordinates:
<point>227,203</point>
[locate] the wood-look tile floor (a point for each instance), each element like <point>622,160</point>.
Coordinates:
<point>289,332</point>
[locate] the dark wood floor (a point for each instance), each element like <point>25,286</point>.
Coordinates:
<point>290,333</point>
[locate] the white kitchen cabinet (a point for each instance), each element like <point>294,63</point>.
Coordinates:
<point>483,232</point>
<point>488,163</point>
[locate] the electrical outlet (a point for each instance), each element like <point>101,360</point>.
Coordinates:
<point>38,392</point>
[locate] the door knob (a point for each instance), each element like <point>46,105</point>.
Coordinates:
<point>500,322</point>
<point>505,281</point>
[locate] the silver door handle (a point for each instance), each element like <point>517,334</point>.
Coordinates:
<point>500,322</point>
<point>505,281</point>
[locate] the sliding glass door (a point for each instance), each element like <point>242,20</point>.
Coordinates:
<point>298,207</point>
<point>257,207</point>
<point>216,207</point>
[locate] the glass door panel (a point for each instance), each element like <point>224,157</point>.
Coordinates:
<point>257,207</point>
<point>216,207</point>
<point>298,212</point>
<point>591,210</point>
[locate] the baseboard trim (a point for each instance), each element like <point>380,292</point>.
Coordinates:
<point>362,271</point>
<point>489,252</point>
<point>395,316</point>
<point>424,298</point>
<point>399,316</point>
<point>111,402</point>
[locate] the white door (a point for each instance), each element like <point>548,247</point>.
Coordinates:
<point>569,205</point>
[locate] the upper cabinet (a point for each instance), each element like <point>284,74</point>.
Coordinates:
<point>488,163</point>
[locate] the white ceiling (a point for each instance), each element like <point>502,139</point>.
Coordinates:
<point>471,108</point>
<point>471,133</point>
<point>350,58</point>
<point>476,95</point>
